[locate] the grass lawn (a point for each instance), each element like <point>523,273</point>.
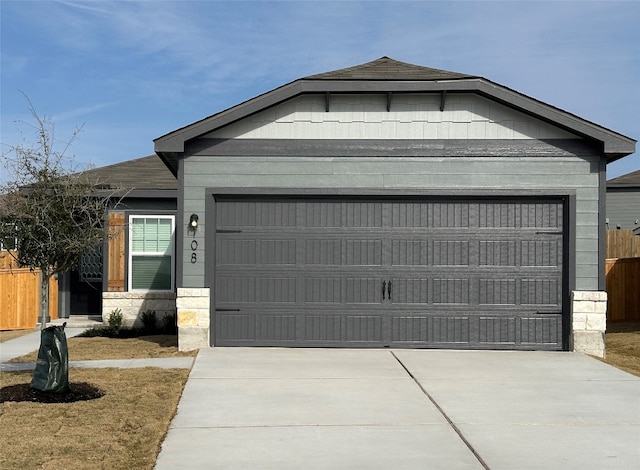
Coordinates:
<point>142,347</point>
<point>122,430</point>
<point>623,346</point>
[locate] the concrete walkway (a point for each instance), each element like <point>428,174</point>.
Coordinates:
<point>31,342</point>
<point>264,408</point>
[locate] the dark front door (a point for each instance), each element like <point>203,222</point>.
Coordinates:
<point>389,273</point>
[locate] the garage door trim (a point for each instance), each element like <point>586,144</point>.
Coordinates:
<point>567,200</point>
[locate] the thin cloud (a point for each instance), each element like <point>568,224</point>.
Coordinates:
<point>79,112</point>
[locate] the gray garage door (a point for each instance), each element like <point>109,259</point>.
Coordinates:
<point>457,273</point>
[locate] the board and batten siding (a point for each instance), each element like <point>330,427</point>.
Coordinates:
<point>561,172</point>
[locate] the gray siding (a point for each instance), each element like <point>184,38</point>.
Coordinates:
<point>623,208</point>
<point>562,175</point>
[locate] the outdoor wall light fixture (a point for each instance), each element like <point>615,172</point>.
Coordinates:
<point>193,222</point>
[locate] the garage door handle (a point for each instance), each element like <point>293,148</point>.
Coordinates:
<point>389,290</point>
<point>384,287</point>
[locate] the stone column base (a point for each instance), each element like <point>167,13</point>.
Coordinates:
<point>588,322</point>
<point>193,318</point>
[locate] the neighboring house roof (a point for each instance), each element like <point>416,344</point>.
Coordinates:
<point>389,76</point>
<point>146,174</point>
<point>630,180</point>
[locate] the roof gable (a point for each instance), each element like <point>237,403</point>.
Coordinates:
<point>388,76</point>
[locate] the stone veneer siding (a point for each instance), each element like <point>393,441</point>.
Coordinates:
<point>193,318</point>
<point>589,322</point>
<point>132,304</point>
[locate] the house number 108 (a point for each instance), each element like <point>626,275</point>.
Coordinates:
<point>194,247</point>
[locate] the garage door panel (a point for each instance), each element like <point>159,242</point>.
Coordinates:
<point>236,251</point>
<point>231,327</point>
<point>243,250</point>
<point>339,214</point>
<point>420,331</point>
<point>520,214</point>
<point>430,215</point>
<point>497,291</point>
<point>323,290</point>
<point>277,251</point>
<point>364,290</point>
<point>276,327</point>
<point>410,290</point>
<point>274,289</point>
<point>450,253</point>
<point>497,330</point>
<point>401,273</point>
<point>541,252</point>
<point>363,252</point>
<point>323,328</point>
<point>451,291</point>
<point>449,329</point>
<point>497,253</point>
<point>412,252</point>
<point>247,214</point>
<point>323,252</point>
<point>541,329</point>
<point>541,291</point>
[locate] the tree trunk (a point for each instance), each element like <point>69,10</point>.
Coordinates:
<point>45,275</point>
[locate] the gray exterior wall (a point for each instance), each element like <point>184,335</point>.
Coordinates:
<point>623,208</point>
<point>476,146</point>
<point>562,175</point>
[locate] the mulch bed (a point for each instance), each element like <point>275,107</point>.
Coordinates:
<point>80,391</point>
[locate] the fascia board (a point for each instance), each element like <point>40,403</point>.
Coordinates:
<point>614,143</point>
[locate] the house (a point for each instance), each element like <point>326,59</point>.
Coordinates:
<point>381,205</point>
<point>151,191</point>
<point>623,202</point>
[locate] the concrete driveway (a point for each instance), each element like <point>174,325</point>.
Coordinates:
<point>263,408</point>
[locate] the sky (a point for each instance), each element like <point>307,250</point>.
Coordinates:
<point>130,71</point>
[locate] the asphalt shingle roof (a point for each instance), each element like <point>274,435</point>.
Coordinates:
<point>630,179</point>
<point>141,174</point>
<point>386,68</point>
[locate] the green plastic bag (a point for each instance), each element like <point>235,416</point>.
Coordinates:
<point>52,368</point>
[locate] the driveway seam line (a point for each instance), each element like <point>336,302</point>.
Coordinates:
<point>442,412</point>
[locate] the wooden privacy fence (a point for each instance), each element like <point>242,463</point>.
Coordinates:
<point>622,244</point>
<point>623,289</point>
<point>19,298</point>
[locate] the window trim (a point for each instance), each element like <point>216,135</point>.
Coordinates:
<point>131,253</point>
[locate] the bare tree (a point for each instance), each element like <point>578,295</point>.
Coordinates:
<point>50,208</point>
